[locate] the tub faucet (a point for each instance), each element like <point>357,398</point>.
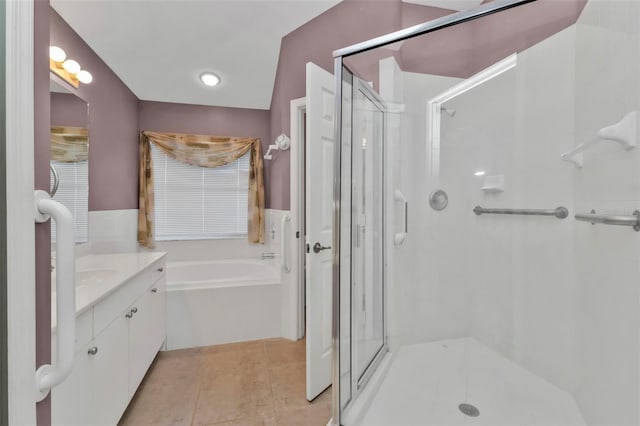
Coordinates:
<point>268,256</point>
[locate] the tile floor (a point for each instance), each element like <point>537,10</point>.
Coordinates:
<point>240,384</point>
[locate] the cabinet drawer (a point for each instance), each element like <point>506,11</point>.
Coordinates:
<point>116,304</point>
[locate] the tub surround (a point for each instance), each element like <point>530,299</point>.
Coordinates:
<point>113,231</point>
<point>237,248</point>
<point>226,302</point>
<point>222,301</point>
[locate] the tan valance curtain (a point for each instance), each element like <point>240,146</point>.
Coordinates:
<point>69,144</point>
<point>202,151</point>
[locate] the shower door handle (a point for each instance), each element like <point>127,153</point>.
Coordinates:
<point>317,248</point>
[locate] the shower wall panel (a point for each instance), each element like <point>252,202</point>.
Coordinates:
<point>414,313</point>
<point>607,257</point>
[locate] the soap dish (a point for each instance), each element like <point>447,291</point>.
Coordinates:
<point>494,183</point>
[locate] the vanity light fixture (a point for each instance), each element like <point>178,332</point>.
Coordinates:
<point>209,79</point>
<point>67,69</point>
<point>56,54</point>
<point>85,77</point>
<point>72,67</point>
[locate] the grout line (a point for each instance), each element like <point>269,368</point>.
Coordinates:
<point>195,404</point>
<point>270,376</point>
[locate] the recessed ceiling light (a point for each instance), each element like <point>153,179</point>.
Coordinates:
<point>480,173</point>
<point>210,79</point>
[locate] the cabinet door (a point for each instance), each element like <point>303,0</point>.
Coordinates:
<point>159,312</point>
<point>142,348</point>
<point>71,401</point>
<point>110,373</point>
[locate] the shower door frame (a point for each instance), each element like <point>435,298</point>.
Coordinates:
<point>359,380</point>
<point>339,56</point>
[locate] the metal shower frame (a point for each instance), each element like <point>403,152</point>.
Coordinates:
<point>339,55</point>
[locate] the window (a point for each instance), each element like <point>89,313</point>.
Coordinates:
<point>73,193</point>
<point>194,202</point>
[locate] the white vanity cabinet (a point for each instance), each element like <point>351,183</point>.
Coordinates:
<point>145,337</point>
<point>109,377</point>
<point>117,340</point>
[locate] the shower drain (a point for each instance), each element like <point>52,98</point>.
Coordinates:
<point>469,410</point>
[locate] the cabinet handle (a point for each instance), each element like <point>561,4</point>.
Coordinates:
<point>154,290</point>
<point>134,310</point>
<point>160,269</point>
<point>93,350</point>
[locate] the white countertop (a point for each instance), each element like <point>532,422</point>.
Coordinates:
<point>98,275</point>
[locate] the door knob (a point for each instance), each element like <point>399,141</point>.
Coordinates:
<point>317,248</point>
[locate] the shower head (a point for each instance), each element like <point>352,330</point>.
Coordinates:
<point>450,112</point>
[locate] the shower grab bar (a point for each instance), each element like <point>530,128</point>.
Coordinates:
<point>399,237</point>
<point>285,242</point>
<point>49,375</point>
<point>632,220</point>
<point>559,212</point>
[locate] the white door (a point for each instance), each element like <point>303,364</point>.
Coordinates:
<point>17,106</point>
<point>319,208</point>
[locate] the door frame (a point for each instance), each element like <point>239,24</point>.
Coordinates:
<point>297,166</point>
<point>21,315</point>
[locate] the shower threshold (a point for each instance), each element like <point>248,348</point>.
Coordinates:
<point>426,384</point>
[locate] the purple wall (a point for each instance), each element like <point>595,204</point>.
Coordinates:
<point>41,164</point>
<point>458,51</point>
<point>208,120</point>
<point>68,110</point>
<point>113,124</point>
<point>464,50</point>
<point>348,22</point>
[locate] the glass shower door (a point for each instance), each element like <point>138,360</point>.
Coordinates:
<point>367,243</point>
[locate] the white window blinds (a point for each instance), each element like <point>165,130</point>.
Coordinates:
<point>194,202</point>
<point>73,193</point>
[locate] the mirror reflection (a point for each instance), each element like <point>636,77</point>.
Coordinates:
<point>69,156</point>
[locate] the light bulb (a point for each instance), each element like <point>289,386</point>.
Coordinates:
<point>71,66</point>
<point>480,173</point>
<point>210,79</point>
<point>85,77</point>
<point>56,54</point>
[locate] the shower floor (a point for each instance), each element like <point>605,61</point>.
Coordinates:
<point>425,383</point>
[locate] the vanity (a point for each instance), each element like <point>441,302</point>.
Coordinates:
<point>120,327</point>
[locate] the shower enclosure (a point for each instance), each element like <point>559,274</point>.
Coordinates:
<point>486,196</point>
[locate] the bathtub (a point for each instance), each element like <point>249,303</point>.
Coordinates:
<point>222,301</point>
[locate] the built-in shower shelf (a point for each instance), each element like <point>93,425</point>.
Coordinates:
<point>493,184</point>
<point>624,133</point>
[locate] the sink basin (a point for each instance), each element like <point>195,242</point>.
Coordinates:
<point>89,277</point>
<point>94,276</point>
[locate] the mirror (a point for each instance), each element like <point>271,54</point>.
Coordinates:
<point>69,156</point>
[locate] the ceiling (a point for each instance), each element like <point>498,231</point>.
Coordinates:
<point>159,48</point>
